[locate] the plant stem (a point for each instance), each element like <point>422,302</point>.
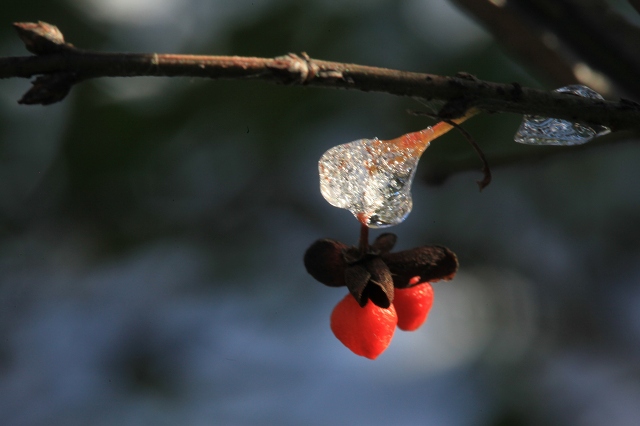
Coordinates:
<point>364,239</point>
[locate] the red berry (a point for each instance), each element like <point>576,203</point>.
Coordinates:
<point>412,305</point>
<point>367,330</point>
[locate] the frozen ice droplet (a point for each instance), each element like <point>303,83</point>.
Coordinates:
<point>536,130</point>
<point>372,178</point>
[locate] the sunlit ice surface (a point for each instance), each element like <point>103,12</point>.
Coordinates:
<point>536,130</point>
<point>370,178</point>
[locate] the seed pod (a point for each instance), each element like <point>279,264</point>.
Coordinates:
<point>430,263</point>
<point>380,287</point>
<point>325,262</point>
<point>384,243</point>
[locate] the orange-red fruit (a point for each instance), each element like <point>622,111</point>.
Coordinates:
<point>412,305</point>
<point>366,331</point>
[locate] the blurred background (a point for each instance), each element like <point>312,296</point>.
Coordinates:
<point>152,229</point>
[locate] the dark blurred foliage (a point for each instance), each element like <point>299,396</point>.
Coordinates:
<point>152,234</point>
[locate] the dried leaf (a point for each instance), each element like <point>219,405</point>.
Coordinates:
<point>357,278</point>
<point>325,262</point>
<point>384,243</point>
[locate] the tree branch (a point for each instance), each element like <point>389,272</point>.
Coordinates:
<point>60,66</point>
<point>595,32</point>
<point>528,47</point>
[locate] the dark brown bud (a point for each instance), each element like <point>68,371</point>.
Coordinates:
<point>40,38</point>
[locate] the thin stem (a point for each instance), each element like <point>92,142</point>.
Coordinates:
<point>443,127</point>
<point>486,170</point>
<point>364,239</point>
<point>420,140</point>
<point>440,172</point>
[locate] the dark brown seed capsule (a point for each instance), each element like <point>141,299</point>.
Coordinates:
<point>325,262</point>
<point>380,286</point>
<point>384,243</point>
<point>357,278</point>
<point>430,263</point>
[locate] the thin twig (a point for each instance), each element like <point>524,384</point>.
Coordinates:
<point>68,65</point>
<point>594,31</point>
<point>486,170</point>
<point>437,174</point>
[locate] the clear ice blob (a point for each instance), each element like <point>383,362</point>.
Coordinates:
<point>536,130</point>
<point>372,178</point>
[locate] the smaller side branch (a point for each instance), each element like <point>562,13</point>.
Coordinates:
<point>437,174</point>
<point>528,46</point>
<point>486,170</point>
<point>594,31</point>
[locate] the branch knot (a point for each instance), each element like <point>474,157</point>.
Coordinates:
<point>302,66</point>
